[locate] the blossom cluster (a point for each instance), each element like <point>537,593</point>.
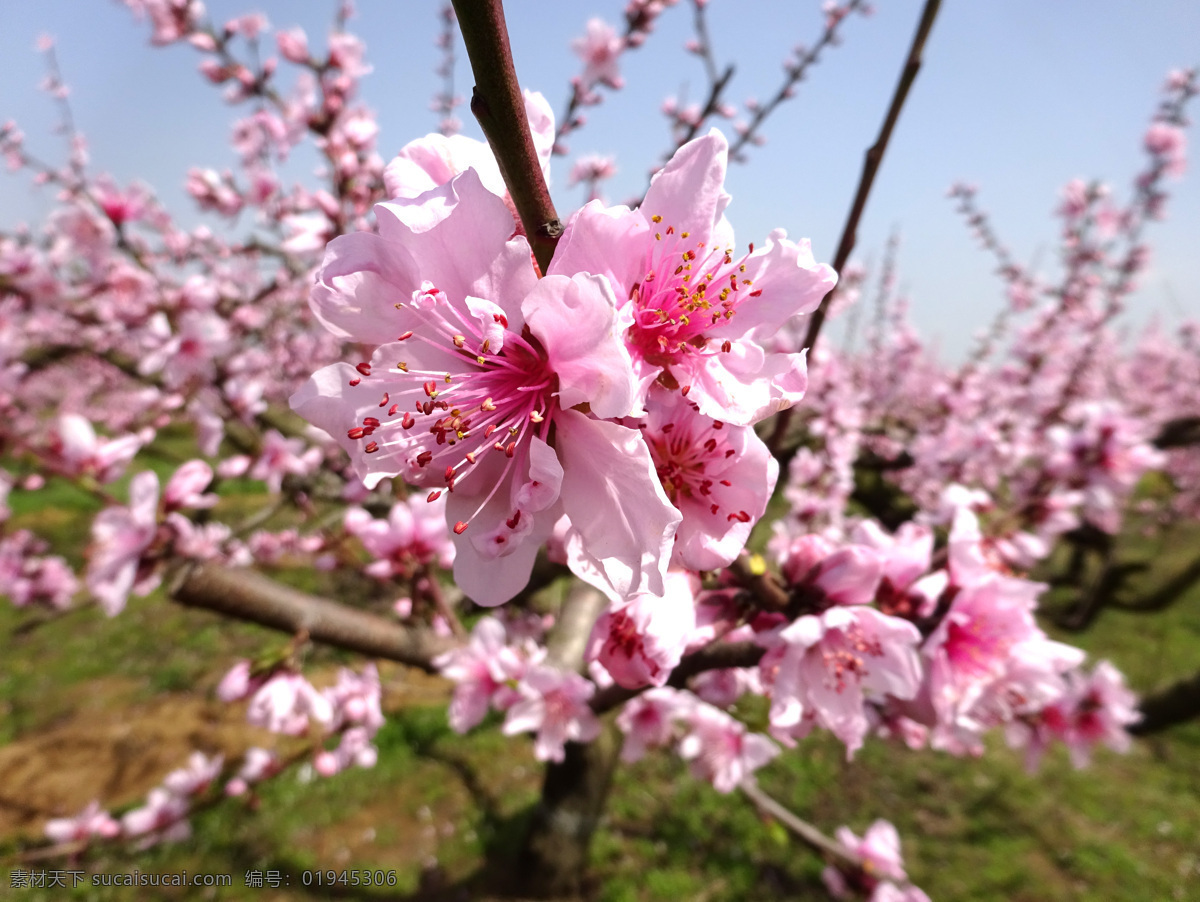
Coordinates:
<point>283,701</point>
<point>163,818</point>
<point>611,401</point>
<point>468,410</point>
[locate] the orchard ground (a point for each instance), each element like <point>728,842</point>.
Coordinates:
<point>93,708</point>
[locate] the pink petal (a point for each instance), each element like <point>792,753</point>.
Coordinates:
<point>613,497</point>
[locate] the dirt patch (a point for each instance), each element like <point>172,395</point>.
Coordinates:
<point>114,749</point>
<point>114,756</point>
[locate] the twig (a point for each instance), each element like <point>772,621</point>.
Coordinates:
<point>719,655</point>
<point>500,108</point>
<point>795,74</point>
<point>805,831</point>
<point>871,163</point>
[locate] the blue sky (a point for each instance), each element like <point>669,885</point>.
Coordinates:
<point>1017,97</point>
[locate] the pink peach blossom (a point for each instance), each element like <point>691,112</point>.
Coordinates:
<point>697,314</point>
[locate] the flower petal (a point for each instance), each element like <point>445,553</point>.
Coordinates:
<point>689,192</point>
<point>613,497</point>
<point>575,319</point>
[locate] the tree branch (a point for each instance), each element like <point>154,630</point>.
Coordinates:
<point>568,638</point>
<point>871,163</point>
<point>810,835</point>
<point>1172,706</point>
<point>250,596</point>
<point>499,106</point>
<point>717,655</point>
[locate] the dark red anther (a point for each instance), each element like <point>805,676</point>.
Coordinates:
<point>711,445</point>
<point>371,447</point>
<point>371,422</point>
<point>354,382</point>
<point>717,424</point>
<point>487,433</point>
<point>501,319</point>
<point>667,428</point>
<point>434,495</point>
<point>449,474</point>
<point>756,293</point>
<point>424,458</point>
<point>512,447</point>
<point>407,422</point>
<point>393,410</point>
<point>427,408</point>
<point>726,483</point>
<point>406,335</point>
<point>729,453</point>
<point>356,433</point>
<point>430,388</point>
<point>512,521</point>
<point>714,508</point>
<point>459,528</point>
<point>364,368</point>
<point>727,346</point>
<point>740,516</point>
<point>386,399</point>
<point>685,390</point>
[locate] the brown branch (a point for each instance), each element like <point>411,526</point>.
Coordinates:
<point>1174,705</point>
<point>874,157</point>
<point>717,655</point>
<point>246,595</point>
<point>1180,432</point>
<point>500,108</point>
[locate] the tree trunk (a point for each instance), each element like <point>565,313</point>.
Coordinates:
<point>554,856</point>
<point>553,861</point>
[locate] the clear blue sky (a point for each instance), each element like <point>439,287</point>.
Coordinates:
<point>1016,96</point>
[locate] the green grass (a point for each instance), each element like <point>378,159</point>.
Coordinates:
<point>437,805</point>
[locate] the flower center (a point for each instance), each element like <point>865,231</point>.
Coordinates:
<point>477,397</point>
<point>844,652</point>
<point>683,460</point>
<point>688,288</point>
